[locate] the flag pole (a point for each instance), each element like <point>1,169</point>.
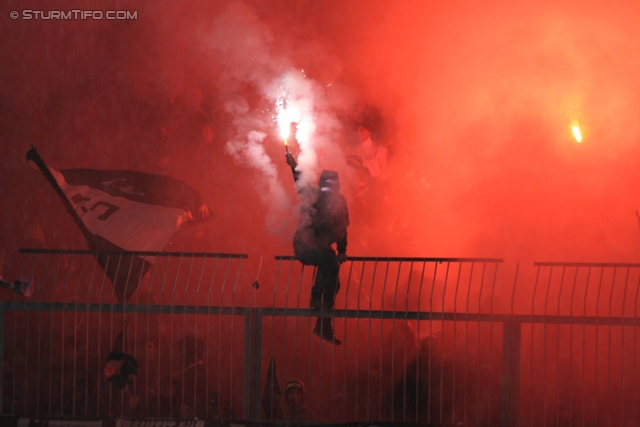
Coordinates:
<point>34,157</point>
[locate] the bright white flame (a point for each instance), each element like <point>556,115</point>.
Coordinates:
<point>287,113</point>
<point>294,102</point>
<point>576,133</point>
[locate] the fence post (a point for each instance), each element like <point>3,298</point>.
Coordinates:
<point>511,373</point>
<point>246,398</point>
<point>253,353</point>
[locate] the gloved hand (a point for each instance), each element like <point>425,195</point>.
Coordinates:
<point>342,258</point>
<point>290,160</point>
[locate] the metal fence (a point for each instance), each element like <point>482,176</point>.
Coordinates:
<point>578,349</point>
<point>424,340</point>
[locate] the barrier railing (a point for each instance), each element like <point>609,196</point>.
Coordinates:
<point>424,340</point>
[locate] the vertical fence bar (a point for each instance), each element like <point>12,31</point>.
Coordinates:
<point>98,373</point>
<point>441,376</point>
<point>431,339</point>
<point>41,299</point>
<point>544,351</point>
<point>455,344</point>
<point>597,342</point>
<point>373,281</point>
<point>255,321</point>
<point>508,415</point>
<point>533,311</point>
<point>404,362</point>
<point>380,376</point>
<point>171,339</point>
<point>50,388</point>
<point>247,367</point>
<point>491,325</point>
<point>87,345</point>
<point>584,340</point>
<point>183,361</point>
<point>635,347</point>
<point>233,317</point>
<point>208,361</point>
<point>344,361</point>
<point>573,289</point>
<point>26,344</point>
<point>419,350</point>
<point>558,343</point>
<point>285,321</point>
<point>622,394</point>
<point>75,338</point>
<point>160,337</point>
<point>220,321</point>
<point>511,373</point>
<point>466,345</point>
<point>206,347</point>
<point>609,355</point>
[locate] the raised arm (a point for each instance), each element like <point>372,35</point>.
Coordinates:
<point>293,129</point>
<point>293,164</point>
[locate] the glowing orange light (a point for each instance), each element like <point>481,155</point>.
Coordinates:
<point>576,133</point>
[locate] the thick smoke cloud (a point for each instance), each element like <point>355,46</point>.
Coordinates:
<point>477,102</point>
<point>245,45</point>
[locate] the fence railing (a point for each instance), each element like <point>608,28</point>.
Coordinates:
<point>424,340</point>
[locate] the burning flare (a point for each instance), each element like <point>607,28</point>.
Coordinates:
<point>287,113</point>
<point>576,133</point>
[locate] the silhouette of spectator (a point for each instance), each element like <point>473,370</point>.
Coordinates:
<point>120,369</point>
<point>436,382</point>
<point>292,407</point>
<point>367,157</point>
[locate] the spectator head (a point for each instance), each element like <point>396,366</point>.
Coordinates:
<point>363,133</point>
<point>112,368</point>
<point>329,181</point>
<point>294,392</point>
<point>368,122</point>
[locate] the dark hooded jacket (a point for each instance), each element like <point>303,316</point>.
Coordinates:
<point>325,222</point>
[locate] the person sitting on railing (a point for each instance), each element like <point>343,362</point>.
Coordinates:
<point>324,219</point>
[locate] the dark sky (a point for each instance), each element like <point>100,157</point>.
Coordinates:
<point>477,102</point>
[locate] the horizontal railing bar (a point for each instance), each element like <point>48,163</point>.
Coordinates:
<point>305,312</point>
<point>586,264</point>
<point>119,308</point>
<point>139,253</point>
<point>378,314</point>
<point>458,317</point>
<point>402,259</point>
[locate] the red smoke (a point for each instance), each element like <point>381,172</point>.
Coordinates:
<point>477,100</point>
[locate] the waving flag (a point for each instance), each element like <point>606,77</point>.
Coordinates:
<point>120,210</point>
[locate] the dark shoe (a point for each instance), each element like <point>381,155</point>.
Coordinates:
<point>326,333</point>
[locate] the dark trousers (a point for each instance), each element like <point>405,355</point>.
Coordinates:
<point>327,283</point>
